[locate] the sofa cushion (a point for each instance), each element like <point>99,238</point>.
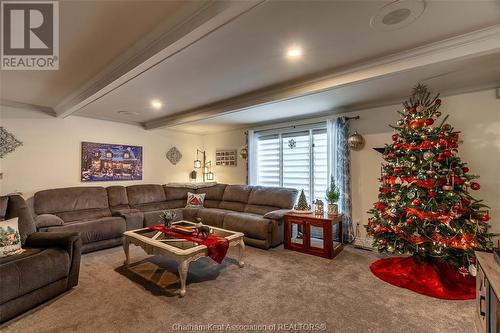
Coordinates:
<point>237,193</point>
<point>10,241</point>
<point>215,192</point>
<point>190,214</point>
<point>273,196</point>
<point>171,204</point>
<point>176,193</point>
<point>254,226</point>
<point>141,194</point>
<point>259,209</point>
<point>84,215</point>
<point>48,220</point>
<point>70,199</point>
<point>34,270</point>
<point>211,203</point>
<point>95,230</point>
<point>195,200</point>
<point>212,216</point>
<point>152,206</point>
<point>234,206</point>
<point>117,196</point>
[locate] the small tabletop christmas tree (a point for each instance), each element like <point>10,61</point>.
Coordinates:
<point>424,207</point>
<point>302,203</point>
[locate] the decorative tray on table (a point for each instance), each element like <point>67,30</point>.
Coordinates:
<point>183,230</point>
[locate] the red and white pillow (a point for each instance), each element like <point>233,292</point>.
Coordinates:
<point>195,200</point>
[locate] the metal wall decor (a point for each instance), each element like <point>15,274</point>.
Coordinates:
<point>8,142</point>
<point>292,144</point>
<point>174,155</point>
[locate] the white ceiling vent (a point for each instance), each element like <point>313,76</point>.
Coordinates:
<point>127,113</point>
<point>397,14</point>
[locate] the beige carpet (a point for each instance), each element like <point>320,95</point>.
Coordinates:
<point>275,287</point>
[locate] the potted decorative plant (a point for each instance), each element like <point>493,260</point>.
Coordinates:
<point>332,196</point>
<point>167,216</point>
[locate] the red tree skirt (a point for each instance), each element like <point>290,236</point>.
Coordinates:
<point>436,280</point>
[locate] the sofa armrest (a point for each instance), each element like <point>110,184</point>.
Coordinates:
<point>134,219</point>
<point>62,240</point>
<point>277,214</point>
<point>68,241</point>
<point>47,220</point>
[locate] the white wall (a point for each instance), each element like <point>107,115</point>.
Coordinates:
<point>227,140</point>
<point>50,154</point>
<point>476,114</point>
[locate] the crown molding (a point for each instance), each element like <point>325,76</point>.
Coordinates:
<point>191,24</point>
<point>26,106</point>
<point>470,45</point>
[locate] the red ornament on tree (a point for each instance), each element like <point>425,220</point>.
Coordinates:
<point>429,121</point>
<point>485,218</point>
<point>438,101</point>
<point>440,158</point>
<point>431,194</point>
<point>475,186</point>
<point>416,202</point>
<point>394,137</point>
<point>446,153</point>
<point>398,170</point>
<point>465,169</point>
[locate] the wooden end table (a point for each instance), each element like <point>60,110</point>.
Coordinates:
<point>313,234</point>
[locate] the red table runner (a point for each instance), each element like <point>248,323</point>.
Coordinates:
<point>217,246</point>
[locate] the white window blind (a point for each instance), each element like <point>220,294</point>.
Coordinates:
<point>296,159</point>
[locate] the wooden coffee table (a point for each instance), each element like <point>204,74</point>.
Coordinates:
<point>154,242</point>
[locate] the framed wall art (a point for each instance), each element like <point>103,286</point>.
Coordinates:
<point>225,157</point>
<point>110,162</point>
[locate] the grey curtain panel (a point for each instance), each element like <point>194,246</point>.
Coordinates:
<point>342,172</point>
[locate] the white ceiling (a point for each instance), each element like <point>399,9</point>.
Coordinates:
<point>245,53</point>
<point>92,34</point>
<point>446,78</point>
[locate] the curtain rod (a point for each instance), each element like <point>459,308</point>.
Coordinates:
<point>352,118</point>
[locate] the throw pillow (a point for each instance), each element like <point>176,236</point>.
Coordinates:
<point>10,240</point>
<point>47,220</point>
<point>195,200</point>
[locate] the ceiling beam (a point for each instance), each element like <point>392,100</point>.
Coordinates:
<point>477,43</point>
<point>196,20</point>
<point>25,106</point>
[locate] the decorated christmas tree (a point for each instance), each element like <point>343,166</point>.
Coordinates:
<point>302,203</point>
<point>425,206</point>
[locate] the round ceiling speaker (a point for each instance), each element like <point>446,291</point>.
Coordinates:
<point>397,14</point>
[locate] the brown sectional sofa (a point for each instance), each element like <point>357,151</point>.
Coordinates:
<point>49,265</point>
<point>101,214</point>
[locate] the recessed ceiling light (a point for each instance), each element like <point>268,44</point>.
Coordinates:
<point>156,104</point>
<point>294,52</point>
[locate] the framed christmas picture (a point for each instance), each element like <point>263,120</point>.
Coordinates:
<point>225,157</point>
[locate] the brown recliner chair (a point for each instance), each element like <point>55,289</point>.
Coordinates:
<point>49,266</point>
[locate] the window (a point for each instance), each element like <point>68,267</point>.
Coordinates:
<point>296,158</point>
